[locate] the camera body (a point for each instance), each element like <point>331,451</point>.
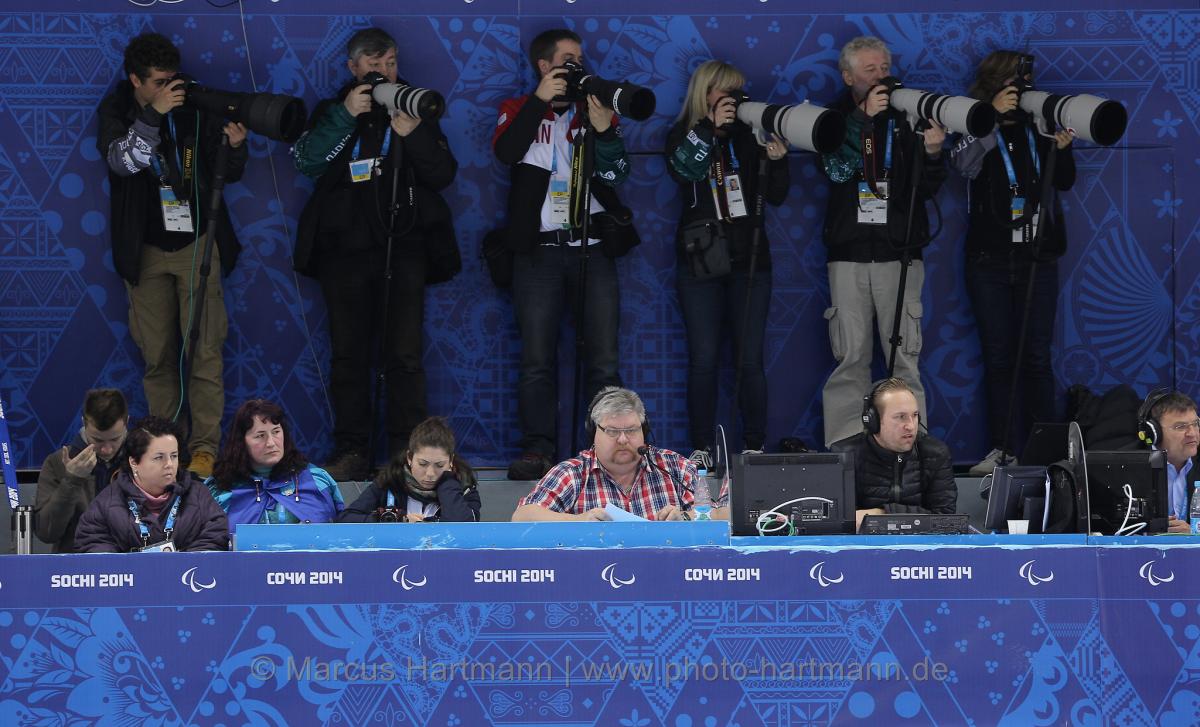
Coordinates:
<point>389,515</point>
<point>275,116</point>
<point>626,99</point>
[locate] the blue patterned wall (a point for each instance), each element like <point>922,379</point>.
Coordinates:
<point>1128,311</point>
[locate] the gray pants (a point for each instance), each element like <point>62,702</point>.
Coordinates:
<point>862,294</point>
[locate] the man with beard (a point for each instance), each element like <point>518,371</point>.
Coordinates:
<point>620,469</point>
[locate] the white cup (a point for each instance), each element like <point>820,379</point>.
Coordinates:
<point>1018,527</point>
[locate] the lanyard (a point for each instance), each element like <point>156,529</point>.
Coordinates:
<point>887,153</point>
<point>391,499</point>
<point>175,142</point>
<point>1007,157</point>
<point>145,531</point>
<point>387,143</point>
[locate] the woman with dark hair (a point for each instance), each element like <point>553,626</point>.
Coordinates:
<point>146,508</point>
<point>261,477</point>
<point>427,483</point>
<point>1005,170</point>
<point>714,158</point>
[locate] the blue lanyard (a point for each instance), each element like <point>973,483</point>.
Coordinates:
<point>145,531</point>
<point>887,150</point>
<point>175,141</point>
<point>391,499</point>
<point>554,146</point>
<point>387,143</point>
<point>1008,164</point>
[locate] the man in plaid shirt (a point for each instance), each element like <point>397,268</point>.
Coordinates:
<point>620,469</point>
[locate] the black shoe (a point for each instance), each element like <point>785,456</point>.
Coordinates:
<point>531,466</point>
<point>348,466</point>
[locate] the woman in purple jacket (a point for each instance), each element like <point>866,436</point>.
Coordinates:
<point>147,508</point>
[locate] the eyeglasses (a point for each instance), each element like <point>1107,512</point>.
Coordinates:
<point>616,432</point>
<point>1182,427</point>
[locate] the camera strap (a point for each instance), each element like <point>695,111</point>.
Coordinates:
<point>868,157</point>
<point>579,206</point>
<point>728,197</point>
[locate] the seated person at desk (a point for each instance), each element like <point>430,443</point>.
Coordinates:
<point>428,482</point>
<point>261,478</point>
<point>146,507</point>
<point>1168,421</point>
<point>897,468</point>
<point>620,469</point>
<point>71,477</point>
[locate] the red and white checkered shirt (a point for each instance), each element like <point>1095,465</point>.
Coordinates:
<point>581,484</point>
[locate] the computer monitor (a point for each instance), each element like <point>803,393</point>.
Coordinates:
<point>813,491</point>
<point>1126,489</point>
<point>1016,493</point>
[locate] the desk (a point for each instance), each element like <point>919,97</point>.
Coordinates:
<point>1047,631</point>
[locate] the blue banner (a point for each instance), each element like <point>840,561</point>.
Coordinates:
<point>8,471</point>
<point>645,636</point>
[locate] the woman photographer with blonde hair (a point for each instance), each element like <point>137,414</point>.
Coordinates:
<point>721,272</point>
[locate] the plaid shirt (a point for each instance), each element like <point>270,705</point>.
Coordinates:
<point>563,488</point>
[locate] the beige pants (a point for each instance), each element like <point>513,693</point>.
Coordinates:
<point>159,314</point>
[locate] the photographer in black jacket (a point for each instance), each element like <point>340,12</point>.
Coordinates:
<point>1005,169</point>
<point>160,156</point>
<point>898,469</point>
<point>350,147</point>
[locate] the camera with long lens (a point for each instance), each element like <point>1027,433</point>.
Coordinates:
<point>275,116</point>
<point>958,114</point>
<point>389,515</point>
<point>1098,120</point>
<point>419,103</point>
<point>804,125</point>
<point>627,99</point>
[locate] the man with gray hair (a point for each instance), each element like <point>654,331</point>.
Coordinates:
<point>865,226</point>
<point>620,469</point>
<point>352,148</point>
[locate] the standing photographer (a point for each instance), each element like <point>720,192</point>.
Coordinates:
<point>536,136</point>
<point>865,225</point>
<point>1005,169</point>
<point>350,148</point>
<point>714,158</point>
<point>160,155</point>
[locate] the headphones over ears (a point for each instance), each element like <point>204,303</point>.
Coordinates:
<point>1149,430</point>
<point>589,424</point>
<point>870,415</point>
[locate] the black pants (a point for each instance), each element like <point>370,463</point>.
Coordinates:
<point>353,286</point>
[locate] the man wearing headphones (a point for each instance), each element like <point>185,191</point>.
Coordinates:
<point>1168,421</point>
<point>898,468</point>
<point>620,469</point>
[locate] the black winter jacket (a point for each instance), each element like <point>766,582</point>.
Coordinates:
<point>344,217</point>
<point>458,504</point>
<point>920,481</point>
<point>697,194</point>
<point>107,526</point>
<point>989,217</point>
<point>846,239</point>
<point>133,194</point>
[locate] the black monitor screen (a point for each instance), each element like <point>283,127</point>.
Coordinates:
<point>1126,489</point>
<point>814,492</point>
<point>1016,493</point>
